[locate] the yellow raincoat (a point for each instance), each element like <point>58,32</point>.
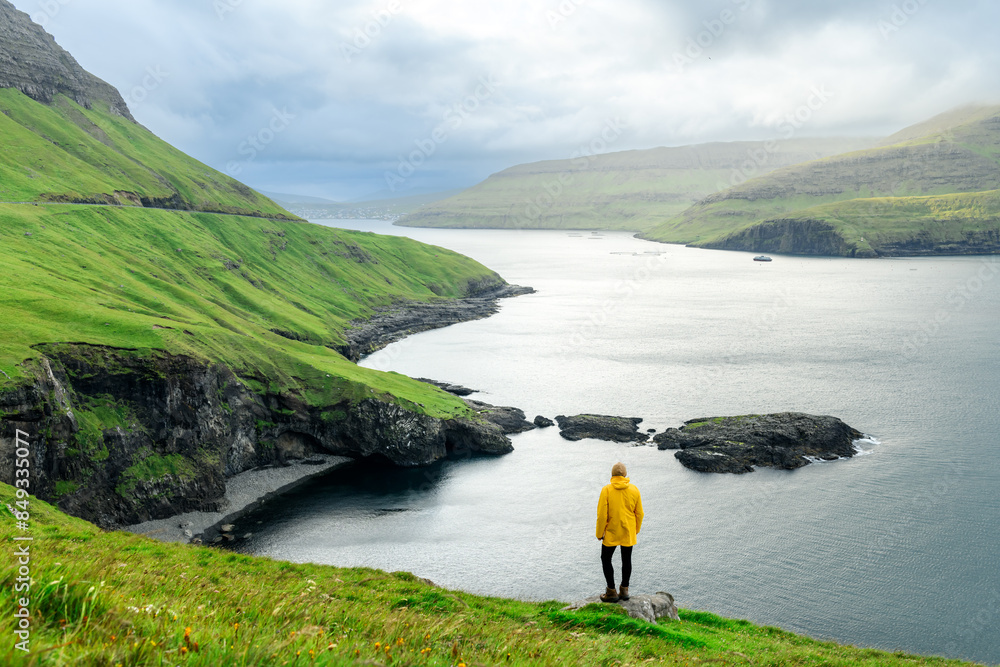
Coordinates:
<point>619,513</point>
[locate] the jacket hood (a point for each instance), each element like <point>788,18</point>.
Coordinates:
<point>619,483</point>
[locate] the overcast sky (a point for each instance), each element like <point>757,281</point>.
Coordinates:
<point>352,98</point>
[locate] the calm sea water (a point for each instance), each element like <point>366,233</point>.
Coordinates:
<point>895,549</point>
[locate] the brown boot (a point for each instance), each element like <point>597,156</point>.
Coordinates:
<point>623,593</point>
<point>610,596</point>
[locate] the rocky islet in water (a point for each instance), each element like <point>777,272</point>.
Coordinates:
<point>786,440</point>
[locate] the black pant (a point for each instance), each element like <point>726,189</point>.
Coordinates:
<point>609,569</point>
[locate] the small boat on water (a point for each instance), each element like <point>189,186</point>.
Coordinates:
<point>762,258</point>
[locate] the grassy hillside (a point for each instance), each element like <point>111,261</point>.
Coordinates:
<point>630,190</point>
<point>63,152</point>
<point>267,298</point>
<point>939,224</point>
<point>133,601</point>
<point>954,153</point>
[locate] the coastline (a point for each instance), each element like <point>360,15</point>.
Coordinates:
<point>245,492</point>
<point>395,323</point>
<point>248,491</point>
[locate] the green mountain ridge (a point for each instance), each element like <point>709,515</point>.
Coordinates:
<point>134,277</point>
<point>64,152</point>
<point>628,190</point>
<point>890,200</point>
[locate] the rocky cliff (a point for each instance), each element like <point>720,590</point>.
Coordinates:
<point>804,236</point>
<point>792,237</point>
<point>32,62</point>
<point>122,436</point>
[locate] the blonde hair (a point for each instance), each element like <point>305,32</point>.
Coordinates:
<point>618,470</point>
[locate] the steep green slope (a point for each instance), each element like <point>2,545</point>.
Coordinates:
<point>630,190</point>
<point>68,136</point>
<point>960,153</point>
<point>64,152</point>
<point>216,287</point>
<point>132,601</point>
<point>164,327</point>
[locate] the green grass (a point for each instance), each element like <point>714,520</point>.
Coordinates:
<point>894,225</point>
<point>153,466</point>
<point>65,153</point>
<point>878,194</point>
<point>216,287</point>
<point>629,190</point>
<point>100,598</point>
<point>880,220</point>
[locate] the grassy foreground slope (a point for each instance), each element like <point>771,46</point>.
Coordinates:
<point>267,298</point>
<point>133,601</point>
<point>64,152</point>
<point>863,198</point>
<point>629,190</point>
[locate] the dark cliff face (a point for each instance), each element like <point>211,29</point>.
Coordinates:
<point>120,437</point>
<point>32,62</point>
<point>793,237</point>
<point>816,237</point>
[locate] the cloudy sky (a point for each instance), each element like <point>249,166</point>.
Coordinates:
<point>358,98</point>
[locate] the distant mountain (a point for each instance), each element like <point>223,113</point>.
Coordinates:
<point>629,190</point>
<point>928,189</point>
<point>285,198</point>
<point>374,209</point>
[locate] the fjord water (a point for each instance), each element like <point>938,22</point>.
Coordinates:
<point>896,549</point>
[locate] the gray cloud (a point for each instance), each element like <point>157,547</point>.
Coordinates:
<point>364,86</point>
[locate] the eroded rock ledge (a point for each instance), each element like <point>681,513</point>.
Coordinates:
<point>786,440</point>
<point>184,427</point>
<point>403,319</point>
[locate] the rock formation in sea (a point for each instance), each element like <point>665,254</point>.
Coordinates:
<point>601,427</point>
<point>786,440</point>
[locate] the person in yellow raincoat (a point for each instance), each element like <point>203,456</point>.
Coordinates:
<point>619,520</point>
